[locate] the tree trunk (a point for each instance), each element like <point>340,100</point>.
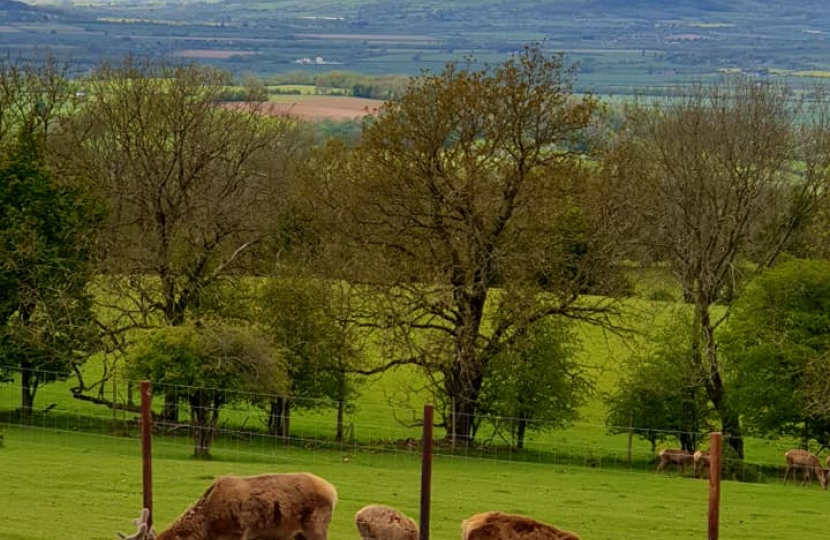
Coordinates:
<point>461,421</point>
<point>465,377</point>
<point>338,435</point>
<point>278,417</point>
<point>731,425</point>
<point>521,429</point>
<point>463,392</point>
<point>286,419</point>
<point>687,441</point>
<point>173,310</point>
<point>170,411</point>
<point>28,386</point>
<point>203,439</point>
<point>341,404</point>
<point>204,416</point>
<point>730,421</point>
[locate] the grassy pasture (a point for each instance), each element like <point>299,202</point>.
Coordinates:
<point>77,486</point>
<point>380,416</point>
<point>73,474</point>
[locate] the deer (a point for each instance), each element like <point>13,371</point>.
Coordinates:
<point>501,526</point>
<point>807,462</point>
<point>263,507</point>
<point>380,522</point>
<point>701,460</point>
<point>674,456</point>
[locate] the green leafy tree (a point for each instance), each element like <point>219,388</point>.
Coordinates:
<point>212,365</point>
<point>536,384</point>
<point>776,348</point>
<point>318,344</point>
<point>445,210</point>
<point>661,393</point>
<point>47,235</point>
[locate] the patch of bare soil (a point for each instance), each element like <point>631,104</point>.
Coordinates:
<point>322,107</point>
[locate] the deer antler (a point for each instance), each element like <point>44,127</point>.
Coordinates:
<point>143,530</point>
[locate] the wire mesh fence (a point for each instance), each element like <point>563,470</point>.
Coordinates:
<point>380,438</point>
<point>249,427</point>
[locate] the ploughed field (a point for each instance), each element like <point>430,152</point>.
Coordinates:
<point>320,107</point>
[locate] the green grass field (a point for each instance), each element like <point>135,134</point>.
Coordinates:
<point>74,473</point>
<point>76,486</point>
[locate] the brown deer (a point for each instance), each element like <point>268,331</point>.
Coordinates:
<point>501,526</point>
<point>701,461</point>
<point>808,463</point>
<point>264,507</point>
<point>674,456</point>
<point>380,522</point>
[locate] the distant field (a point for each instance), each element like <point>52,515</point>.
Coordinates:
<point>313,107</point>
<point>292,89</point>
<point>216,54</point>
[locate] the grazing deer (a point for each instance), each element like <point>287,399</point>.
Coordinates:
<point>674,456</point>
<point>264,507</point>
<point>381,522</point>
<point>501,526</point>
<point>807,462</point>
<point>701,461</point>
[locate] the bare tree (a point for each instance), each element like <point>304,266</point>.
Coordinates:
<point>191,185</point>
<point>723,175</point>
<point>33,96</point>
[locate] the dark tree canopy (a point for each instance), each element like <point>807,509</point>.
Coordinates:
<point>316,340</point>
<point>47,236</point>
<point>661,392</point>
<point>536,384</point>
<point>775,347</point>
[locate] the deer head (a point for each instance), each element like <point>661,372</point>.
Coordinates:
<point>143,529</point>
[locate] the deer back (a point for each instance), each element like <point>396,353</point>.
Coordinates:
<point>500,526</point>
<point>380,522</point>
<point>802,458</point>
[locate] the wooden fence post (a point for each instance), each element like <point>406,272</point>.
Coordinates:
<point>715,453</point>
<point>426,472</point>
<point>146,449</point>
